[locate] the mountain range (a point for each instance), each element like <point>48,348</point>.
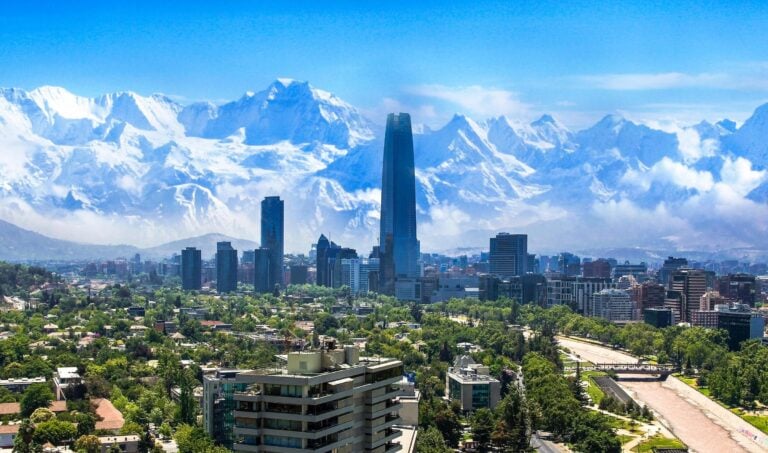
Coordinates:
<point>142,170</point>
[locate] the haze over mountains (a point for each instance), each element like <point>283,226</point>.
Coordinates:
<point>124,168</point>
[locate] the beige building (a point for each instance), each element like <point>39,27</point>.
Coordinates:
<point>470,384</point>
<point>329,400</point>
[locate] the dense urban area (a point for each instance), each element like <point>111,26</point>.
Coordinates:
<point>392,350</point>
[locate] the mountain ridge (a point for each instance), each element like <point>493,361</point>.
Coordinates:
<point>146,169</point>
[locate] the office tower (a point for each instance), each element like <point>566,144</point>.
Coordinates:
<point>262,268</point>
<point>691,284</point>
<point>226,267</point>
<point>273,237</point>
<point>649,295</point>
<point>299,274</point>
<point>569,264</point>
<point>598,268</point>
<point>509,254</point>
<point>399,247</point>
<point>584,289</point>
<point>739,287</point>
<point>658,317</point>
<point>327,400</point>
<point>639,271</point>
<point>191,269</point>
<point>670,265</point>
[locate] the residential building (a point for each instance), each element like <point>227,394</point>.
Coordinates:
<point>508,255</point>
<point>471,385</point>
<point>398,244</point>
<point>639,271</point>
<point>584,290</point>
<point>219,388</point>
<point>328,400</point>
<point>273,237</point>
<point>226,268</point>
<point>64,378</point>
<point>613,305</point>
<point>191,269</point>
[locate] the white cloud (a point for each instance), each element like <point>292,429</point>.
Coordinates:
<point>743,78</point>
<point>740,177</point>
<point>475,99</point>
<point>668,171</point>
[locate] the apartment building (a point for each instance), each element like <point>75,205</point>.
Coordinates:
<point>328,400</point>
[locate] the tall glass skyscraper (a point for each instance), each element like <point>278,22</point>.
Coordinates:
<point>272,237</point>
<point>191,267</point>
<point>226,267</point>
<point>399,247</point>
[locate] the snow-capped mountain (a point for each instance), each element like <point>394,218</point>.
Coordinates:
<point>127,168</point>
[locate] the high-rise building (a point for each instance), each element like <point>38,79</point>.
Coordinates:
<point>328,400</point>
<point>670,265</point>
<point>613,305</point>
<point>509,255</point>
<point>262,269</point>
<point>691,284</point>
<point>226,267</point>
<point>273,237</point>
<point>739,287</point>
<point>399,246</point>
<point>598,268</point>
<point>191,269</point>
<point>299,274</point>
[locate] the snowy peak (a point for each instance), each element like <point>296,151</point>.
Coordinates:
<point>750,138</point>
<point>288,110</point>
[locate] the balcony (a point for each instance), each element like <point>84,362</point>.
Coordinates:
<point>381,438</point>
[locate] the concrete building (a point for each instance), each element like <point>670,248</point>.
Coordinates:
<point>584,290</point>
<point>639,271</point>
<point>219,388</point>
<point>739,287</point>
<point>126,444</point>
<point>19,385</point>
<point>670,265</point>
<point>739,320</point>
<point>328,400</point>
<point>469,383</point>
<point>599,268</point>
<point>613,305</point>
<point>64,378</point>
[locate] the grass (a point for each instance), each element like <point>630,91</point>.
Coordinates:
<point>593,390</point>
<point>624,438</point>
<point>657,441</point>
<point>758,421</point>
<point>691,381</point>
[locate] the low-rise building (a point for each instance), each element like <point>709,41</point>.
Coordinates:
<point>470,384</point>
<point>64,378</point>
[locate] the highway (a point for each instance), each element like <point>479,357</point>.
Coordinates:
<point>702,424</point>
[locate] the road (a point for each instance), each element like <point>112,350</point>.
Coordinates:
<point>702,424</point>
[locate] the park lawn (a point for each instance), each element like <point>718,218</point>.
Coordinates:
<point>625,438</point>
<point>657,441</point>
<point>593,390</point>
<point>692,383</point>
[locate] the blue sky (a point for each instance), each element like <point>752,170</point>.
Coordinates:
<point>648,60</point>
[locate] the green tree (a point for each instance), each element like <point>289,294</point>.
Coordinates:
<point>88,444</point>
<point>41,414</point>
<point>512,427</point>
<point>55,431</point>
<point>36,396</point>
<point>86,424</point>
<point>431,441</point>
<point>482,426</point>
<point>25,441</point>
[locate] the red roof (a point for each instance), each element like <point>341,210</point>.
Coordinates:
<point>15,408</point>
